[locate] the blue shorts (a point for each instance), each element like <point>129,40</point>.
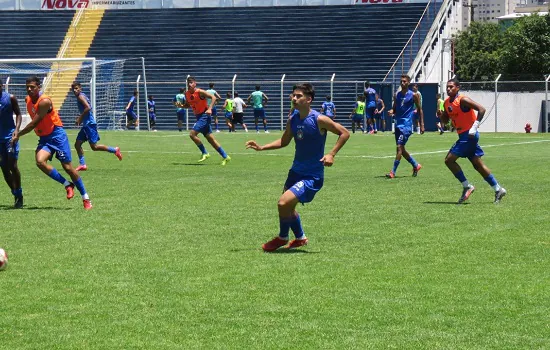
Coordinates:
<point>181,115</point>
<point>152,117</point>
<point>370,112</point>
<point>379,116</point>
<point>304,187</point>
<point>202,124</point>
<point>229,115</point>
<point>88,133</point>
<point>358,118</point>
<point>402,136</point>
<point>214,111</point>
<point>56,143</point>
<point>7,151</point>
<point>131,115</point>
<point>259,113</point>
<point>467,147</point>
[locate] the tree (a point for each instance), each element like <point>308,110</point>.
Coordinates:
<point>478,52</point>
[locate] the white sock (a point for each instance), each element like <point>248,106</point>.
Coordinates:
<point>496,187</point>
<point>465,184</point>
<point>66,183</point>
<point>85,196</point>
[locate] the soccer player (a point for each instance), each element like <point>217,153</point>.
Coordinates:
<point>379,113</point>
<point>403,107</point>
<point>88,132</point>
<point>258,99</point>
<point>328,108</point>
<point>196,99</point>
<point>228,108</point>
<point>9,152</point>
<point>52,140</point>
<point>438,112</point>
<point>415,113</point>
<point>309,130</point>
<point>460,110</point>
<point>179,102</point>
<point>131,116</point>
<point>211,91</point>
<point>238,115</point>
<point>357,115</point>
<point>151,107</point>
<point>370,102</point>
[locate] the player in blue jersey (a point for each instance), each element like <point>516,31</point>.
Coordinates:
<point>9,152</point>
<point>259,99</point>
<point>403,107</point>
<point>379,113</point>
<point>309,130</point>
<point>151,107</point>
<point>179,102</point>
<point>131,116</point>
<point>88,131</point>
<point>213,92</point>
<point>370,107</point>
<point>328,108</point>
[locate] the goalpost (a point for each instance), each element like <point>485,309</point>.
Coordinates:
<point>103,81</point>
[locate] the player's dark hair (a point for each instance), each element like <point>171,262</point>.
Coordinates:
<point>359,97</point>
<point>414,84</point>
<point>454,81</point>
<point>34,79</point>
<point>229,94</point>
<point>75,85</point>
<point>135,92</point>
<point>257,87</point>
<point>150,97</point>
<point>191,79</point>
<point>211,85</point>
<point>182,90</point>
<point>406,77</point>
<point>367,83</point>
<point>307,89</point>
<point>1,81</point>
<point>236,94</point>
<point>328,98</point>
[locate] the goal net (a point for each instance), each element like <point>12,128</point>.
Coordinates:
<point>102,81</point>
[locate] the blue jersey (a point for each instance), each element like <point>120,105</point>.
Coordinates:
<point>404,107</point>
<point>151,108</point>
<point>328,109</point>
<point>370,95</point>
<point>379,107</point>
<point>88,117</point>
<point>7,124</point>
<point>132,103</point>
<point>310,144</point>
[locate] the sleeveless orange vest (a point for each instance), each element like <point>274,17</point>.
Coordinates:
<point>196,102</point>
<point>47,124</point>
<point>462,121</point>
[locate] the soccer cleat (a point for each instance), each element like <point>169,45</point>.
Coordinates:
<point>390,175</point>
<point>297,243</point>
<point>117,153</point>
<point>87,204</point>
<point>18,202</point>
<point>226,160</point>
<point>274,244</point>
<point>466,193</point>
<point>267,131</point>
<point>499,194</point>
<point>204,157</point>
<point>217,130</point>
<point>70,190</point>
<point>417,169</point>
<point>82,167</point>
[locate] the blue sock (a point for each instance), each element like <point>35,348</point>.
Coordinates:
<point>80,185</point>
<point>284,225</point>
<point>265,127</point>
<point>296,226</point>
<point>395,165</point>
<point>491,180</point>
<point>413,162</point>
<point>111,150</point>
<point>17,192</point>
<point>222,152</point>
<point>257,129</point>
<point>216,125</point>
<point>203,150</point>
<point>54,174</point>
<point>460,176</point>
<point>81,160</point>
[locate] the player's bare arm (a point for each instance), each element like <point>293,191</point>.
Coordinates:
<point>212,98</point>
<point>17,112</point>
<point>469,103</point>
<point>328,124</point>
<point>280,143</point>
<point>43,107</point>
<point>418,103</point>
<point>444,117</point>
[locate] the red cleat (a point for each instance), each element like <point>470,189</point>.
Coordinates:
<point>297,243</point>
<point>390,175</point>
<point>274,244</point>
<point>417,169</point>
<point>117,153</point>
<point>82,167</point>
<point>87,204</point>
<point>70,190</point>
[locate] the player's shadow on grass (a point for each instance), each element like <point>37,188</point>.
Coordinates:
<point>278,251</point>
<point>190,164</point>
<point>455,203</point>
<point>387,178</point>
<point>10,207</point>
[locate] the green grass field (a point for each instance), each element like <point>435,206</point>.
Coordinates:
<point>170,256</point>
